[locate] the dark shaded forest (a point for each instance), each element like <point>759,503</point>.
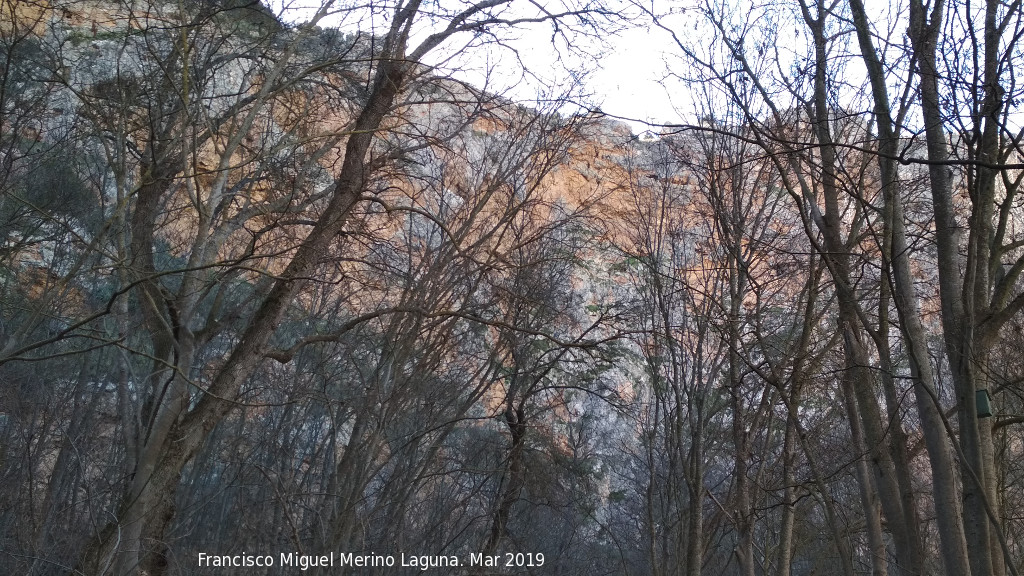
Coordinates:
<point>277,294</point>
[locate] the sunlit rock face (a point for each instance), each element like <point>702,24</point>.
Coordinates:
<point>493,263</point>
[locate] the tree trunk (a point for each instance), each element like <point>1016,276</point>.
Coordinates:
<point>904,530</point>
<point>150,497</point>
<point>695,487</point>
<point>784,560</point>
<point>512,480</point>
<point>868,492</point>
<point>946,501</point>
<point>963,296</point>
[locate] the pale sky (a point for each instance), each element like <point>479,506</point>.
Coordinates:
<point>628,81</point>
<point>622,70</point>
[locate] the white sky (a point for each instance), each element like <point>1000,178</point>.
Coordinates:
<point>622,71</point>
<point>629,79</point>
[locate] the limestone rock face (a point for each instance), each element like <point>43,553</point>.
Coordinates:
<point>475,290</point>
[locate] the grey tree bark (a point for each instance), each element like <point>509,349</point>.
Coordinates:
<point>945,498</point>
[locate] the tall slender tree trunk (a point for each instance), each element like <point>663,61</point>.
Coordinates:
<point>695,487</point>
<point>512,480</point>
<point>784,560</point>
<point>744,513</point>
<point>903,526</point>
<point>741,499</point>
<point>904,529</point>
<point>868,492</point>
<point>945,498</point>
<point>839,534</point>
<point>963,295</point>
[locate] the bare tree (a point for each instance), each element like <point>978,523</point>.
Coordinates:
<point>221,172</point>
